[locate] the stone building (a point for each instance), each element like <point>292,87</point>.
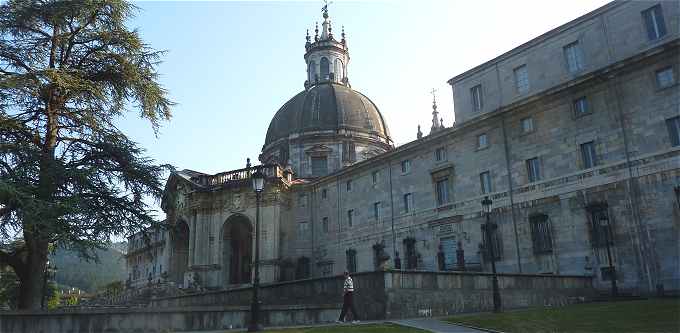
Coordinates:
<point>574,136</point>
<point>146,255</point>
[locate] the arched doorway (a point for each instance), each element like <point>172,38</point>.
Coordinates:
<point>180,256</point>
<point>237,249</point>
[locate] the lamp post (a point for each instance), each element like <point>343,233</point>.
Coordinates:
<point>491,227</point>
<point>258,186</point>
<point>604,222</point>
<point>49,273</point>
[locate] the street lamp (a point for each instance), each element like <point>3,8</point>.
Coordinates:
<point>50,272</point>
<point>491,227</point>
<point>258,186</point>
<point>606,228</point>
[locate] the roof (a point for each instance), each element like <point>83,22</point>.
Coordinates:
<point>327,106</point>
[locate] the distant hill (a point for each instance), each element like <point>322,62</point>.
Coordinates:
<point>75,272</point>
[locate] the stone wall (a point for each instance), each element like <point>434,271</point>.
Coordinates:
<point>403,294</point>
<point>379,295</point>
<point>416,294</point>
<point>157,320</point>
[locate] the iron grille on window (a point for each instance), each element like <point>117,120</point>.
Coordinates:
<point>495,241</point>
<point>600,226</point>
<point>540,233</point>
<point>351,260</point>
<point>411,255</point>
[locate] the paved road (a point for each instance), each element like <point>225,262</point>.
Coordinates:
<point>436,326</point>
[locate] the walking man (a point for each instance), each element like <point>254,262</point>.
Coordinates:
<point>348,301</point>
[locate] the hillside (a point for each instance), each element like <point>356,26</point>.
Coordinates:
<point>88,276</point>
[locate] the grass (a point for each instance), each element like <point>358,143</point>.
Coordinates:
<point>653,315</point>
<point>364,328</point>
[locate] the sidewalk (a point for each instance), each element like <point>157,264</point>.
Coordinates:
<point>428,324</point>
<point>436,326</point>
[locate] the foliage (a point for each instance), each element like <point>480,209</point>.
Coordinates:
<point>114,288</point>
<point>68,175</point>
<point>54,300</point>
<point>9,288</point>
<point>653,315</point>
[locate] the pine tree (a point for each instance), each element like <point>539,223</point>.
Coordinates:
<point>68,176</point>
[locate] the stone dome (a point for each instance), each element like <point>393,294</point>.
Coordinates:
<point>327,106</point>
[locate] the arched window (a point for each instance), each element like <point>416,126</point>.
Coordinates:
<point>311,69</point>
<point>325,68</point>
<point>339,70</point>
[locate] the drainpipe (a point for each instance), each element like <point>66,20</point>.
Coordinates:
<point>394,235</point>
<point>510,189</point>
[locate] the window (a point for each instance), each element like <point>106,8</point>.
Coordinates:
<point>351,255</point>
<point>410,252</point>
<point>574,57</point>
<point>588,154</point>
<point>606,273</point>
<point>476,96</point>
<point>497,245</point>
<point>324,193</point>
<point>303,227</point>
<point>665,77</point>
<point>408,202</point>
<point>521,79</point>
<point>600,225</point>
<point>312,71</point>
<point>376,211</point>
<point>540,233</point>
<point>485,181</point>
<point>350,217</point>
<point>442,187</point>
<point>374,176</point>
<point>533,169</point>
<point>673,125</point>
<point>580,107</point>
<point>527,125</point>
<point>319,166</point>
<point>302,269</point>
<point>348,185</point>
<point>324,224</point>
<point>405,166</point>
<point>482,141</point>
<point>440,154</point>
<point>302,200</point>
<point>349,152</point>
<point>325,68</point>
<point>653,17</point>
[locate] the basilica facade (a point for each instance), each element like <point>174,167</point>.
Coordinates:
<point>574,136</point>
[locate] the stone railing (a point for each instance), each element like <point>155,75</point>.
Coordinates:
<point>238,176</point>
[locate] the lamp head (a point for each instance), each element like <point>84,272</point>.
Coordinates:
<point>258,181</point>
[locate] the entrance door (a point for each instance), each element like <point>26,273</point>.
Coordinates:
<point>237,249</point>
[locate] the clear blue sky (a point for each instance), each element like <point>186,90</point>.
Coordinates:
<point>231,65</point>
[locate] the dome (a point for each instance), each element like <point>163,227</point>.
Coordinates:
<point>327,106</point>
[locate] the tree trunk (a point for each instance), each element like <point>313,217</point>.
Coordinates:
<point>32,276</point>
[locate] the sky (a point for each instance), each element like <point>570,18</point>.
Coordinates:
<point>231,65</point>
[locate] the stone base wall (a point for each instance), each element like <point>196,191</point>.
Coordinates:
<point>378,295</point>
<point>148,320</point>
<point>417,294</point>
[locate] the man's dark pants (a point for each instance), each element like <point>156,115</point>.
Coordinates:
<point>348,303</point>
